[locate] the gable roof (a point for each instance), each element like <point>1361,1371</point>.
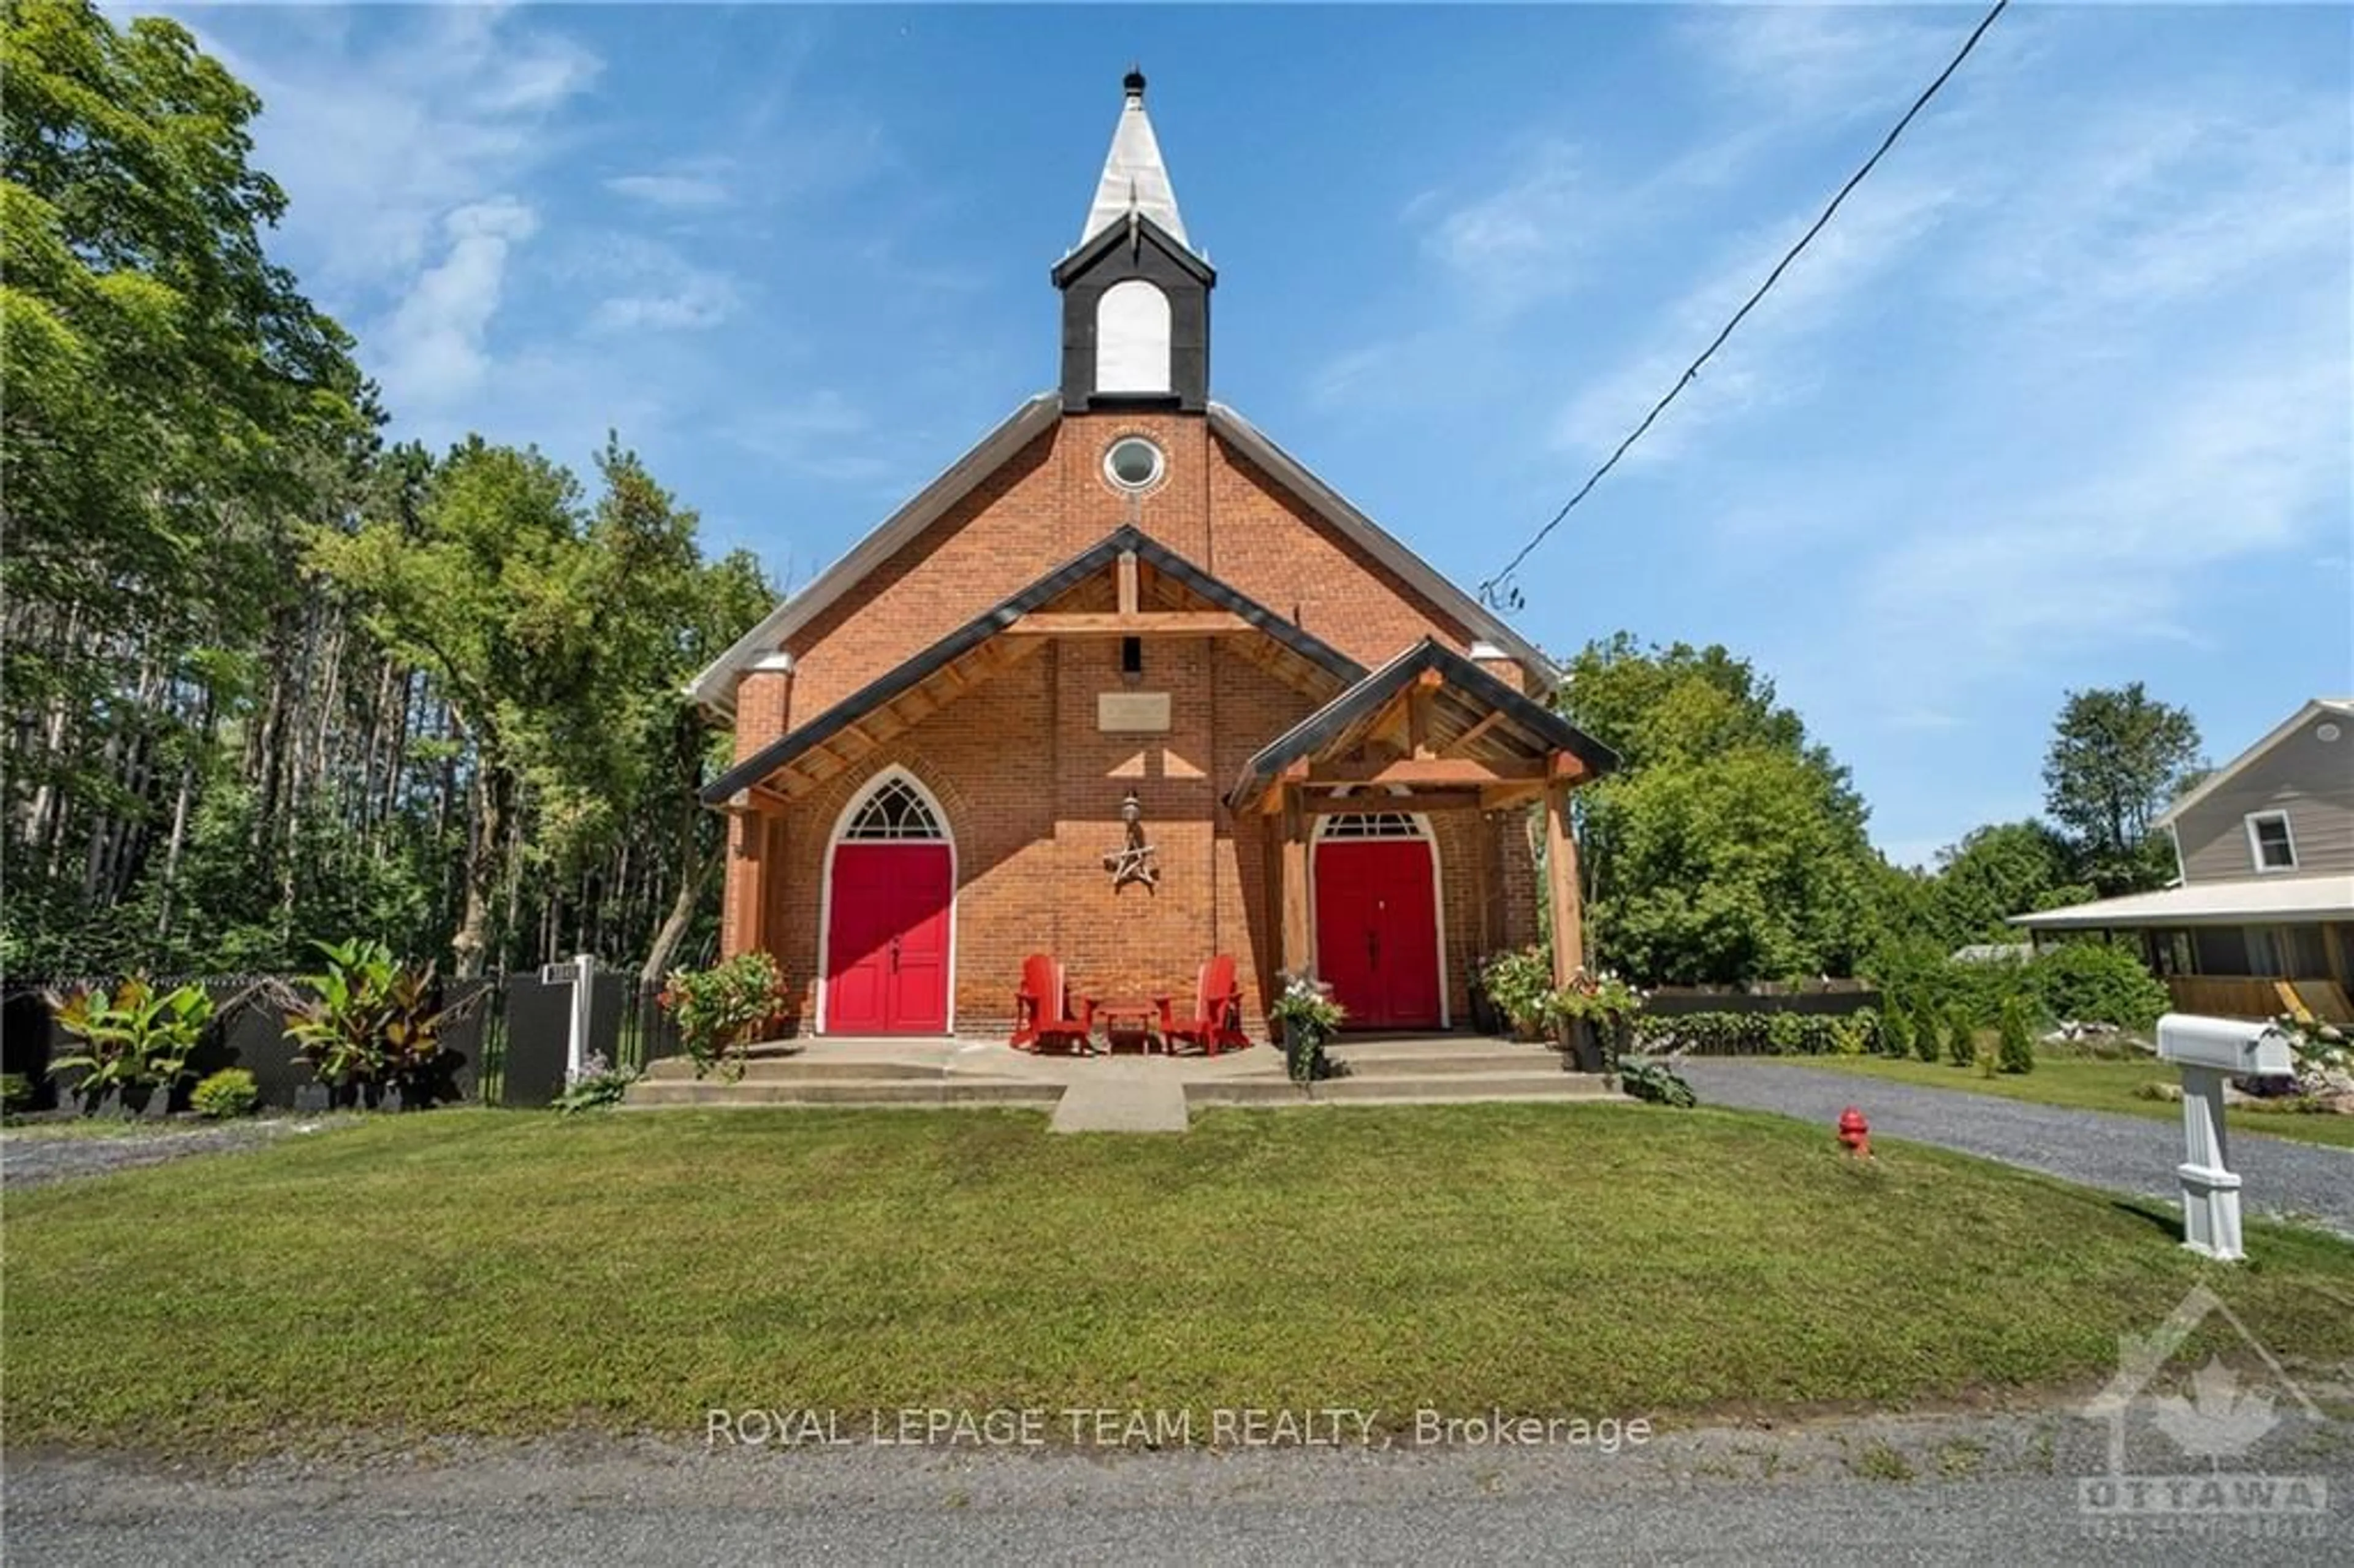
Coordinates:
<point>2341,706</point>
<point>715,687</point>
<point>1364,700</point>
<point>1005,613</point>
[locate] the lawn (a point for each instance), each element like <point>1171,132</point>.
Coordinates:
<point>508,1272</point>
<point>2088,1084</point>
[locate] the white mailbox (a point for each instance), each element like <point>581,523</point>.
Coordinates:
<point>2207,1050</point>
<point>2228,1045</point>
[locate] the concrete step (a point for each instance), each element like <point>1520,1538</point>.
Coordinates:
<point>1431,1089</point>
<point>798,1069</point>
<point>936,1091</point>
<point>1442,1060</point>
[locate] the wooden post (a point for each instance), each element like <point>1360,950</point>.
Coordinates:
<point>1299,958</point>
<point>1561,885</point>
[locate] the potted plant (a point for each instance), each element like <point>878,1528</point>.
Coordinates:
<point>1307,1017</point>
<point>136,1043</point>
<point>372,1032</point>
<point>1592,1017</point>
<point>724,1009</point>
<point>1516,982</point>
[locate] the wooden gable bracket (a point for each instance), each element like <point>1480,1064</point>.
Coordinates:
<point>756,800</point>
<point>1128,595</point>
<point>1417,714</point>
<point>1457,771</point>
<point>1462,743</point>
<point>1282,784</point>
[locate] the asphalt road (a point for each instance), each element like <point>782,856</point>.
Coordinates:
<point>1964,1489</point>
<point>2311,1183</point>
<point>2011,1521</point>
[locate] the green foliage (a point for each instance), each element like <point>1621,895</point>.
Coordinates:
<point>1895,1033</point>
<point>373,1022</point>
<point>1961,1038</point>
<point>1757,1033</point>
<point>1604,1003</point>
<point>225,1095</point>
<point>1727,848</point>
<point>1654,1080</point>
<point>597,1085</point>
<point>722,1010</point>
<point>1518,982</point>
<point>1995,873</point>
<point>2116,757</point>
<point>16,1092</point>
<point>2091,981</point>
<point>2323,1060</point>
<point>1927,1035</point>
<point>2016,1054</point>
<point>133,1042</point>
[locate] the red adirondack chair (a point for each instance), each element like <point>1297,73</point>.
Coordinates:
<point>1042,1009</point>
<point>1216,1022</point>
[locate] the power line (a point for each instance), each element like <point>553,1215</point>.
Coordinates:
<point>1488,589</point>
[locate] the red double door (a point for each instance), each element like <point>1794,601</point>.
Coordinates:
<point>886,961</point>
<point>1377,931</point>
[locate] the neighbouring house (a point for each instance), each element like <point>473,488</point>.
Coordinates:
<point>2260,920</point>
<point>1129,685</point>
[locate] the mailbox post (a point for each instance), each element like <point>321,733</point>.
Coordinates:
<point>2208,1051</point>
<point>580,974</point>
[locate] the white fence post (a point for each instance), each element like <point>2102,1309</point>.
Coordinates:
<point>584,997</point>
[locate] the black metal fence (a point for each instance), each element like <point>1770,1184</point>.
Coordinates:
<point>512,1034</point>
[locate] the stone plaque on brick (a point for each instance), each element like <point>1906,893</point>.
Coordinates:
<point>1132,713</point>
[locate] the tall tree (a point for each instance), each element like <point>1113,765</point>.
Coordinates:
<point>1728,847</point>
<point>1996,872</point>
<point>2116,757</point>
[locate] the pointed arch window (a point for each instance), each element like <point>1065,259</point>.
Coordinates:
<point>895,812</point>
<point>1372,825</point>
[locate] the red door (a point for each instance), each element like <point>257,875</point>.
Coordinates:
<point>886,962</point>
<point>1377,931</point>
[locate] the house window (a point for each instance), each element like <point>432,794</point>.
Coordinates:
<point>1372,825</point>
<point>1132,337</point>
<point>1131,655</point>
<point>2269,842</point>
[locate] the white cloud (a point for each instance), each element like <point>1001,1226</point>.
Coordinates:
<point>1762,364</point>
<point>649,286</point>
<point>431,350</point>
<point>821,435</point>
<point>671,190</point>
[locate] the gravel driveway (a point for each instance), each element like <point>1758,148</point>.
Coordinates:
<point>2311,1183</point>
<point>34,1156</point>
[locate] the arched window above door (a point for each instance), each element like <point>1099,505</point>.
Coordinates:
<point>894,810</point>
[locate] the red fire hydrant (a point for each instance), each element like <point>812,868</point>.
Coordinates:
<point>1855,1133</point>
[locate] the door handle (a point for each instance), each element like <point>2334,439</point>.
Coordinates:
<point>895,955</point>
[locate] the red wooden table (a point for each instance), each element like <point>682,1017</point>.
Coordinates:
<point>1130,1023</point>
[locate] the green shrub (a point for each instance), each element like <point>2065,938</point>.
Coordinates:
<point>1857,1034</point>
<point>1757,1033</point>
<point>1895,1033</point>
<point>375,1023</point>
<point>598,1084</point>
<point>16,1092</point>
<point>1961,1037</point>
<point>1925,1035</point>
<point>2094,982</point>
<point>132,1043</point>
<point>1654,1080</point>
<point>2016,1052</point>
<point>722,1010</point>
<point>231,1092</point>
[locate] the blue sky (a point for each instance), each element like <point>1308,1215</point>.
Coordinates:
<point>2062,398</point>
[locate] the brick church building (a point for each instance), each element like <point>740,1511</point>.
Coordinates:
<point>1128,685</point>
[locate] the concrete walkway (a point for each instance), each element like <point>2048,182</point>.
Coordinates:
<point>1123,1096</point>
<point>2308,1183</point>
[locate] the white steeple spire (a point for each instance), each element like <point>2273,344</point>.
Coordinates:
<point>1134,178</point>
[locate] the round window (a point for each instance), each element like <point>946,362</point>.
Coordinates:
<point>2328,733</point>
<point>1133,463</point>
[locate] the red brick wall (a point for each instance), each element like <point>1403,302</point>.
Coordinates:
<point>1033,790</point>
